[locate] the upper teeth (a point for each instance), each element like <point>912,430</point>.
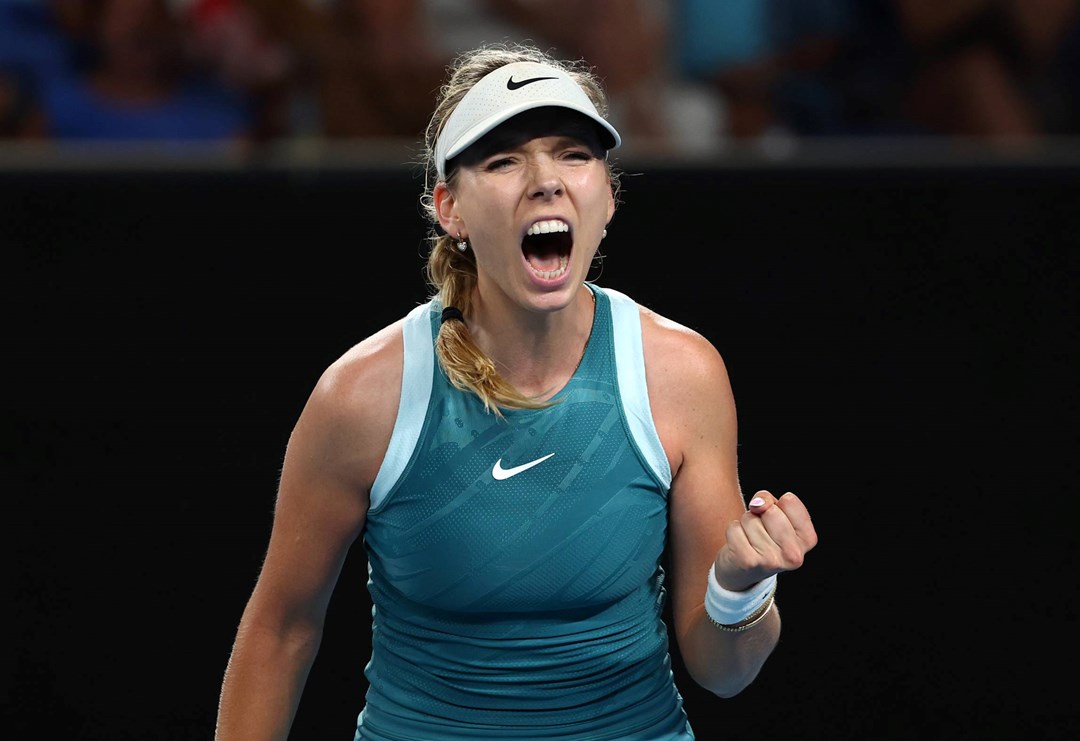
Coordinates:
<point>546,227</point>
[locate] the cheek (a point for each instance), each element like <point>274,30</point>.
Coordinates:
<point>485,210</point>
<point>495,240</point>
<point>600,209</point>
<point>598,198</point>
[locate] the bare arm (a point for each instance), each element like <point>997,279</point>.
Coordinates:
<point>710,524</point>
<point>330,463</point>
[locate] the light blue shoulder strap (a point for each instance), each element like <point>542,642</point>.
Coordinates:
<point>630,362</point>
<point>416,378</point>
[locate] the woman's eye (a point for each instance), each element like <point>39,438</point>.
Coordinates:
<point>498,163</point>
<point>579,155</point>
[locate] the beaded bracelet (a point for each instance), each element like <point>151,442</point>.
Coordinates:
<point>758,616</point>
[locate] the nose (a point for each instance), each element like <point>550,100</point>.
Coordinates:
<point>544,179</point>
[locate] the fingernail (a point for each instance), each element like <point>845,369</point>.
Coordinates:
<point>757,502</point>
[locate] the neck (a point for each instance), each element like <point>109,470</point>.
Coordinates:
<point>539,358</point>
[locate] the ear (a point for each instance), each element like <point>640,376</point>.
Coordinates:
<point>446,209</point>
<point>610,205</point>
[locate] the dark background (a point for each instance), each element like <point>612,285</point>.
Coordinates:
<point>900,338</point>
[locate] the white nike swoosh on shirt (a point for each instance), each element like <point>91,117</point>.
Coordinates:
<point>501,473</point>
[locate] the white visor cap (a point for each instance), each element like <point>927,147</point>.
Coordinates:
<point>505,92</point>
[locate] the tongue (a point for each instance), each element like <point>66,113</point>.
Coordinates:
<point>546,261</point>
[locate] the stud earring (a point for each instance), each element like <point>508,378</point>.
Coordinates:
<point>603,234</point>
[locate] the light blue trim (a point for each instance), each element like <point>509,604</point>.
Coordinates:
<point>416,381</point>
<point>630,362</point>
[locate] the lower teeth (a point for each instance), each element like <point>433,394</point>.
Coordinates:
<point>549,274</point>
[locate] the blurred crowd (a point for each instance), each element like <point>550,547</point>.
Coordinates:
<point>682,74</point>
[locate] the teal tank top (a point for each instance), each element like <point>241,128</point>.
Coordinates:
<point>515,564</point>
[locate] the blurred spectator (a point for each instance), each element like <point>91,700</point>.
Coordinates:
<point>33,50</point>
<point>770,60</point>
<point>993,68</point>
<point>970,68</point>
<point>257,49</point>
<point>377,69</point>
<point>137,85</point>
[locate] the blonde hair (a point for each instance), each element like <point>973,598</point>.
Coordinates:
<point>450,272</point>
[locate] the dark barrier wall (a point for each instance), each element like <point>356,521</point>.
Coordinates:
<point>900,341</point>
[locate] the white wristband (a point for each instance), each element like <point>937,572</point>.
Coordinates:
<point>727,608</point>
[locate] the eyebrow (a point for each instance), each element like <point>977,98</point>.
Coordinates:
<point>505,143</point>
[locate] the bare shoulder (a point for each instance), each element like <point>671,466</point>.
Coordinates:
<point>366,367</point>
<point>689,390</point>
<point>351,411</point>
<point>676,355</point>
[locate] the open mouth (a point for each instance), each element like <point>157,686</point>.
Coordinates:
<point>546,248</point>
